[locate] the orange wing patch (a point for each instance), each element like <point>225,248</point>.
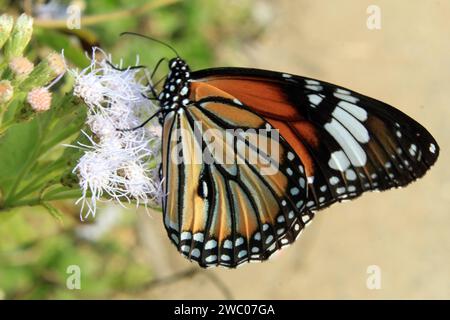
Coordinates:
<point>260,96</point>
<point>237,116</point>
<point>270,102</point>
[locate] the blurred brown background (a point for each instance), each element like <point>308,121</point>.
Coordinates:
<point>405,232</point>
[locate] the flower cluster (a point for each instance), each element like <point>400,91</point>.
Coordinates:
<point>21,76</point>
<point>117,163</point>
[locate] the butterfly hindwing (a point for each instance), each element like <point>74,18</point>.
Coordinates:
<point>221,212</point>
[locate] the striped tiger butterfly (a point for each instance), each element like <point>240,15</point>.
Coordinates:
<point>332,144</point>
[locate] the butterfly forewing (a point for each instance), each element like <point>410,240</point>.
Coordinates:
<point>348,143</point>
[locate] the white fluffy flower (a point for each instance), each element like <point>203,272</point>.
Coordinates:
<point>115,164</point>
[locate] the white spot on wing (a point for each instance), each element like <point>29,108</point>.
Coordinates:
<point>345,97</point>
<point>185,235</point>
<point>237,102</point>
<point>339,161</point>
<point>195,253</point>
<point>358,112</point>
<point>351,124</point>
<point>343,91</point>
<point>351,147</point>
<point>309,81</point>
<point>184,91</point>
<point>350,175</point>
<point>225,257</point>
<point>211,244</point>
<point>227,244</point>
<point>242,253</point>
<point>314,88</point>
<point>334,180</point>
<point>432,148</point>
<point>198,237</point>
<point>315,99</point>
<point>412,150</point>
<point>269,239</point>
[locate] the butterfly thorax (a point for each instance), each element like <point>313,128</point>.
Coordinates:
<point>175,93</point>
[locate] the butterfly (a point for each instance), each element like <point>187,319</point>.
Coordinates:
<point>331,144</point>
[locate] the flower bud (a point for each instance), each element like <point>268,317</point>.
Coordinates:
<point>21,66</point>
<point>6,24</point>
<point>40,99</point>
<point>56,63</point>
<point>48,69</point>
<point>20,36</point>
<point>6,91</point>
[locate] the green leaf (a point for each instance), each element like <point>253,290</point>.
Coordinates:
<point>18,148</point>
<point>26,147</point>
<point>54,212</point>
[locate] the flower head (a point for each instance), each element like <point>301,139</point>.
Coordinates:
<point>6,91</point>
<point>116,163</point>
<point>40,99</point>
<point>21,66</point>
<point>56,63</point>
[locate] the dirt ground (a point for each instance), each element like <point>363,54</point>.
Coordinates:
<point>404,232</point>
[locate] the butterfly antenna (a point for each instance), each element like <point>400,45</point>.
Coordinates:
<point>152,39</point>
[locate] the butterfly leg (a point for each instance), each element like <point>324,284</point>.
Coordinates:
<point>124,69</point>
<point>143,123</point>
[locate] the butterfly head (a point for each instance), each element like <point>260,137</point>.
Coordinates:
<point>175,93</point>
